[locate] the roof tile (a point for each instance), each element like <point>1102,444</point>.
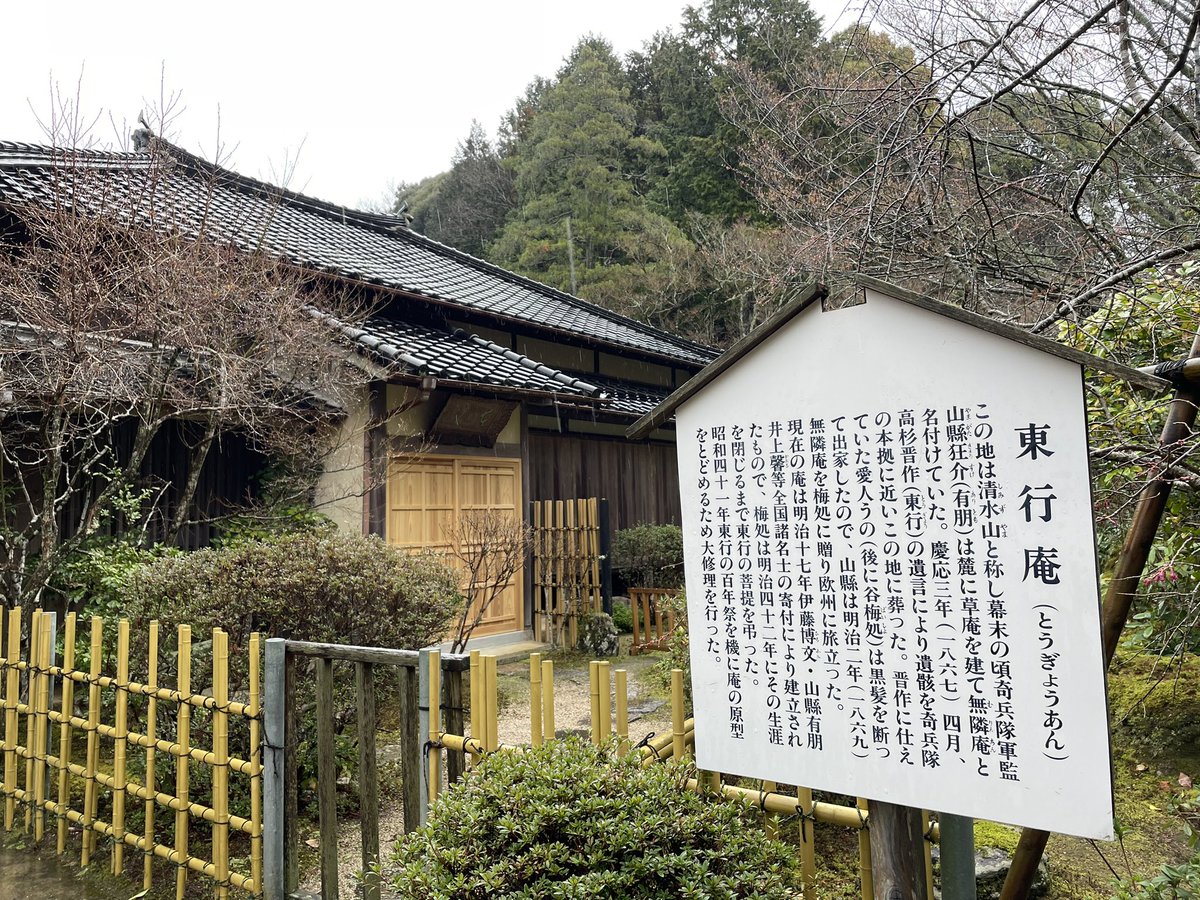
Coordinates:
<point>192,195</point>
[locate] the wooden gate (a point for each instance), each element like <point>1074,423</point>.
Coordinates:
<point>566,567</point>
<point>427,496</point>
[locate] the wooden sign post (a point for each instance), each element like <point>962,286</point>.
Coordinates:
<point>897,852</point>
<point>890,567</point>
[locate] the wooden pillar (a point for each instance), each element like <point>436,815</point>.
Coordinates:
<point>368,778</point>
<point>897,852</point>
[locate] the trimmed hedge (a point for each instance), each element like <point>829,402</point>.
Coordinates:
<point>315,585</point>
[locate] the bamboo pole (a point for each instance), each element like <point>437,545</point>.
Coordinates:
<point>539,600</point>
<point>623,710</point>
<point>120,744</point>
<point>93,747</point>
<point>256,777</point>
<point>34,652</point>
<point>65,733</point>
<point>221,764</point>
<point>808,855</point>
<point>605,680</point>
<point>434,699</point>
<point>593,507</point>
<point>183,734</point>
<point>571,584</point>
<point>677,723</point>
<point>535,699</point>
<point>548,731</point>
<point>11,726</point>
<point>594,695</point>
<point>492,702</point>
<point>865,877</point>
<point>40,748</point>
<point>151,729</point>
<point>476,700</point>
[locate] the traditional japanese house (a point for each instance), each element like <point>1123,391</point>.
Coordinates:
<point>487,389</point>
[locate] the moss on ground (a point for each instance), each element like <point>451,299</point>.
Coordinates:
<point>989,835</point>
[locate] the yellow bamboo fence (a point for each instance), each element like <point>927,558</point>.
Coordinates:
<point>779,805</point>
<point>566,567</point>
<point>653,618</point>
<point>87,803</point>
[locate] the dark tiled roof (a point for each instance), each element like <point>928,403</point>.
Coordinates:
<point>170,187</point>
<point>462,357</point>
<point>628,398</point>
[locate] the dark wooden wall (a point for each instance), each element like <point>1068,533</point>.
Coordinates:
<point>640,481</point>
<point>228,481</point>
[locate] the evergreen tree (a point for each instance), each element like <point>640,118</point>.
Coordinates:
<point>467,206</point>
<point>580,170</point>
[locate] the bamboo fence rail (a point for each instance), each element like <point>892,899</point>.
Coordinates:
<point>103,785</point>
<point>610,720</point>
<point>566,567</point>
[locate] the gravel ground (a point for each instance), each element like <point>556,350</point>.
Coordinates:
<point>649,712</point>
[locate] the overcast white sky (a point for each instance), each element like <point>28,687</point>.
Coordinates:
<point>351,95</point>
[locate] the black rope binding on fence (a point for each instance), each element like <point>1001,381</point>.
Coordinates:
<point>426,749</point>
<point>645,742</point>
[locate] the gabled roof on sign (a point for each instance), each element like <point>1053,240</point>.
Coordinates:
<point>166,186</point>
<point>818,292</point>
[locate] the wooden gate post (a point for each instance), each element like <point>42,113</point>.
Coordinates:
<point>274,766</point>
<point>897,851</point>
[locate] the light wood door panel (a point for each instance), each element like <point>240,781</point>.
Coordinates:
<point>426,497</point>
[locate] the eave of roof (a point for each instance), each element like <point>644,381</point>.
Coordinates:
<point>461,359</point>
<point>818,292</point>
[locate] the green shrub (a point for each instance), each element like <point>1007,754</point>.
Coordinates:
<point>1179,882</point>
<point>622,617</point>
<point>314,585</point>
<point>569,820</point>
<point>317,585</point>
<point>648,556</point>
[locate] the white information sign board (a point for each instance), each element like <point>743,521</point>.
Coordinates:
<point>891,575</point>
